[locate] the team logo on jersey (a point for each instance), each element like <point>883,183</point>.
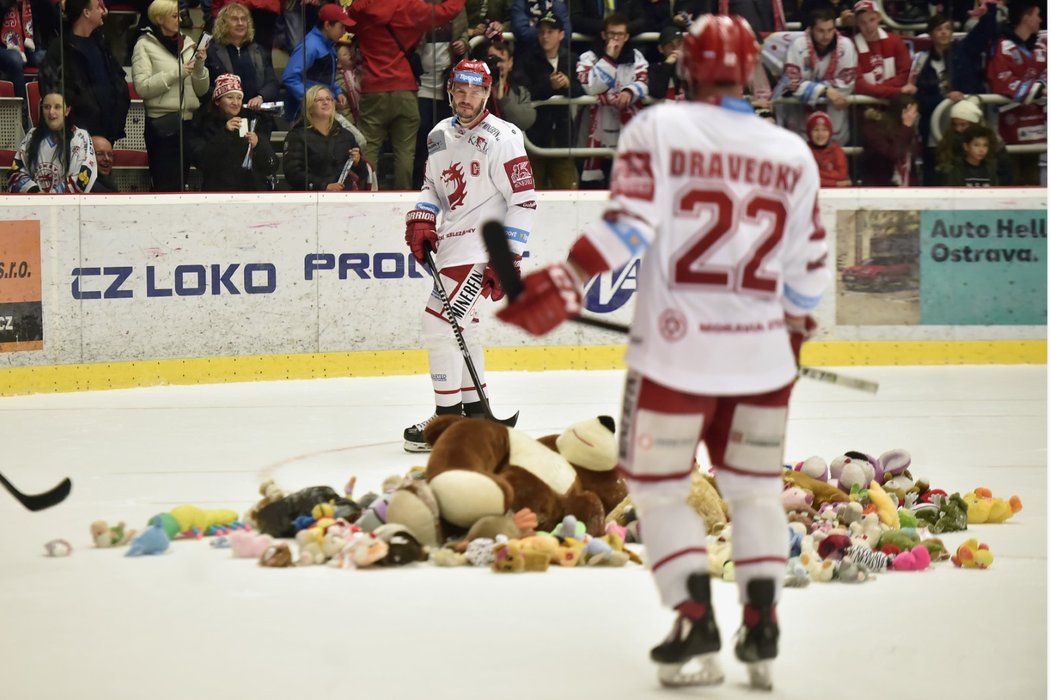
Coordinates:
<point>436,142</point>
<point>611,290</point>
<point>479,142</point>
<point>519,172</point>
<point>453,179</point>
<point>475,168</point>
<point>672,325</point>
<point>632,176</point>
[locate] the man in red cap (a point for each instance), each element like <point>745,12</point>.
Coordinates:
<point>388,32</point>
<point>724,207</point>
<point>313,62</point>
<point>883,61</point>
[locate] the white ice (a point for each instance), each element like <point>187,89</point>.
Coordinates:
<point>197,623</point>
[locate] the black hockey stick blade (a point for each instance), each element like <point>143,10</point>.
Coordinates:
<point>40,501</point>
<point>454,322</point>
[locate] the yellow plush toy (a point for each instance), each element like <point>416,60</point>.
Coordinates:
<point>513,557</point>
<point>191,521</point>
<point>884,506</point>
<point>982,507</point>
<point>973,555</point>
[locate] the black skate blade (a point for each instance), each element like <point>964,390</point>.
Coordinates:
<point>509,422</point>
<point>700,670</point>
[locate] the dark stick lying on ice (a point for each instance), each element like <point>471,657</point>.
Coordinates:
<point>502,261</point>
<point>39,501</point>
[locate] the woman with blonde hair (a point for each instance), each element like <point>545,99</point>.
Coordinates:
<point>320,153</point>
<point>234,50</point>
<point>170,76</point>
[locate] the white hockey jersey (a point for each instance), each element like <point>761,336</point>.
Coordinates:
<point>47,175</point>
<point>807,77</point>
<point>474,176</point>
<point>726,205</point>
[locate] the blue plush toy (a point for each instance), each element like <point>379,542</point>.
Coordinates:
<point>152,540</point>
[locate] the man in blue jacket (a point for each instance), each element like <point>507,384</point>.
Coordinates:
<point>312,62</point>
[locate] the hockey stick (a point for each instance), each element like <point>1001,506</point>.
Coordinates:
<point>454,322</point>
<point>39,501</point>
<point>502,261</point>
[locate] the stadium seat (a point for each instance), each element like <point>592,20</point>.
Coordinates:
<point>33,95</point>
<point>126,157</point>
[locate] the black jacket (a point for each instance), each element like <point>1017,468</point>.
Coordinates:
<point>221,59</point>
<point>219,153</point>
<point>553,127</point>
<point>88,110</point>
<point>325,156</point>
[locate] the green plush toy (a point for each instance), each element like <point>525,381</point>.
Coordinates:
<point>903,541</point>
<point>943,515</point>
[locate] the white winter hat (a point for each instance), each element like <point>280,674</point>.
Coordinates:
<point>967,110</point>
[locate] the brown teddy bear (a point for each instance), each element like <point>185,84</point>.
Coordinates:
<point>480,468</point>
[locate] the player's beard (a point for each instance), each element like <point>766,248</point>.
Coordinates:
<point>468,118</point>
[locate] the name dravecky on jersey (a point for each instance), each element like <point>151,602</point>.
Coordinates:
<point>731,166</point>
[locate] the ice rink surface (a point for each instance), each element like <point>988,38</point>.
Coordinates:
<point>197,623</point>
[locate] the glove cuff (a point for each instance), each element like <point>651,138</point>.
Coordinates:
<point>420,215</point>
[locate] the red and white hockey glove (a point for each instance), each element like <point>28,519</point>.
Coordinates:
<point>491,286</point>
<point>550,296</point>
<point>800,329</point>
<point>420,227</point>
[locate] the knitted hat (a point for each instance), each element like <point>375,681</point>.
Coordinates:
<point>817,118</point>
<point>225,84</point>
<point>967,111</point>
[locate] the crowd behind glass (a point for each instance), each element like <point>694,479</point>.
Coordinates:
<point>925,95</point>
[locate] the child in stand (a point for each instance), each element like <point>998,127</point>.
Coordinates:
<point>977,166</point>
<point>831,159</point>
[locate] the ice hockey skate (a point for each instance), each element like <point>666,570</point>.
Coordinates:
<point>414,440</point>
<point>756,640</point>
<point>689,655</point>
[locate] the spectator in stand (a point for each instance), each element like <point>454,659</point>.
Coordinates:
<point>47,27</point>
<point>510,98</point>
<point>964,114</point>
<point>234,50</point>
<point>977,166</point>
<point>1017,70</point>
<point>15,17</point>
<point>438,50</point>
<point>389,31</point>
<point>821,65</point>
<point>104,159</point>
<point>549,70</point>
<point>588,16</point>
<point>229,161</point>
<point>312,62</point>
<point>831,159</point>
<point>319,141</point>
<point>348,78</point>
<point>890,144</point>
<point>83,68</point>
<point>264,14</point>
<point>489,18</point>
<point>618,75</point>
<point>664,82</point>
<point>54,157</point>
<point>883,60</point>
<point>525,18</point>
<point>949,70</point>
<point>170,77</point>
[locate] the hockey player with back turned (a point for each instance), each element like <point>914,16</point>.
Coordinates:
<point>476,171</point>
<point>724,205</point>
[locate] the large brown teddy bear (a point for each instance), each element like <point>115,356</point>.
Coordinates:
<point>479,468</point>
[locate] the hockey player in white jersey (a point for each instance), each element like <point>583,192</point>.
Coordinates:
<point>724,205</point>
<point>476,171</point>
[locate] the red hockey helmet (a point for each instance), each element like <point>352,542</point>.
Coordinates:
<point>470,72</point>
<point>718,49</point>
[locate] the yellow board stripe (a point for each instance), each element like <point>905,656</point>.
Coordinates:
<point>122,375</point>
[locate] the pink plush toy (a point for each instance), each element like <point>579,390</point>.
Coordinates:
<point>915,560</point>
<point>249,545</point>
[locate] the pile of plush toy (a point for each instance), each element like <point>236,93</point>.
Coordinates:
<point>493,496</point>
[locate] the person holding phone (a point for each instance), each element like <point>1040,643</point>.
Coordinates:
<point>318,140</point>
